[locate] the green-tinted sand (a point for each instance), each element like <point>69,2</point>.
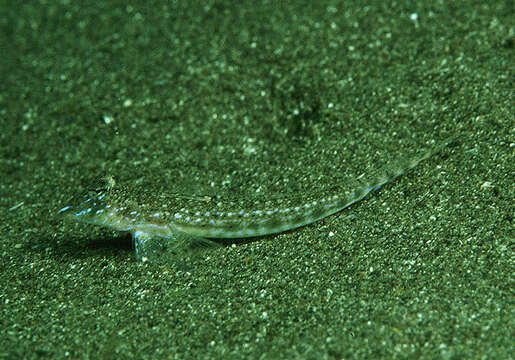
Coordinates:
<point>260,100</point>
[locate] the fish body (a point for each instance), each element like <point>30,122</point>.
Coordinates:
<point>194,220</point>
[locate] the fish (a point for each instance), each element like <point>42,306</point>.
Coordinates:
<point>160,222</point>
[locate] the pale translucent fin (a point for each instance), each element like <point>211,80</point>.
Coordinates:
<point>177,246</point>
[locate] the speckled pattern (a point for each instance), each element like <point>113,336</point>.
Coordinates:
<point>210,218</point>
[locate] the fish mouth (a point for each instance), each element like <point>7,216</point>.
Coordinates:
<point>86,210</point>
<point>64,210</point>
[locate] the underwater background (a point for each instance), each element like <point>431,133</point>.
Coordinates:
<point>256,100</point>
